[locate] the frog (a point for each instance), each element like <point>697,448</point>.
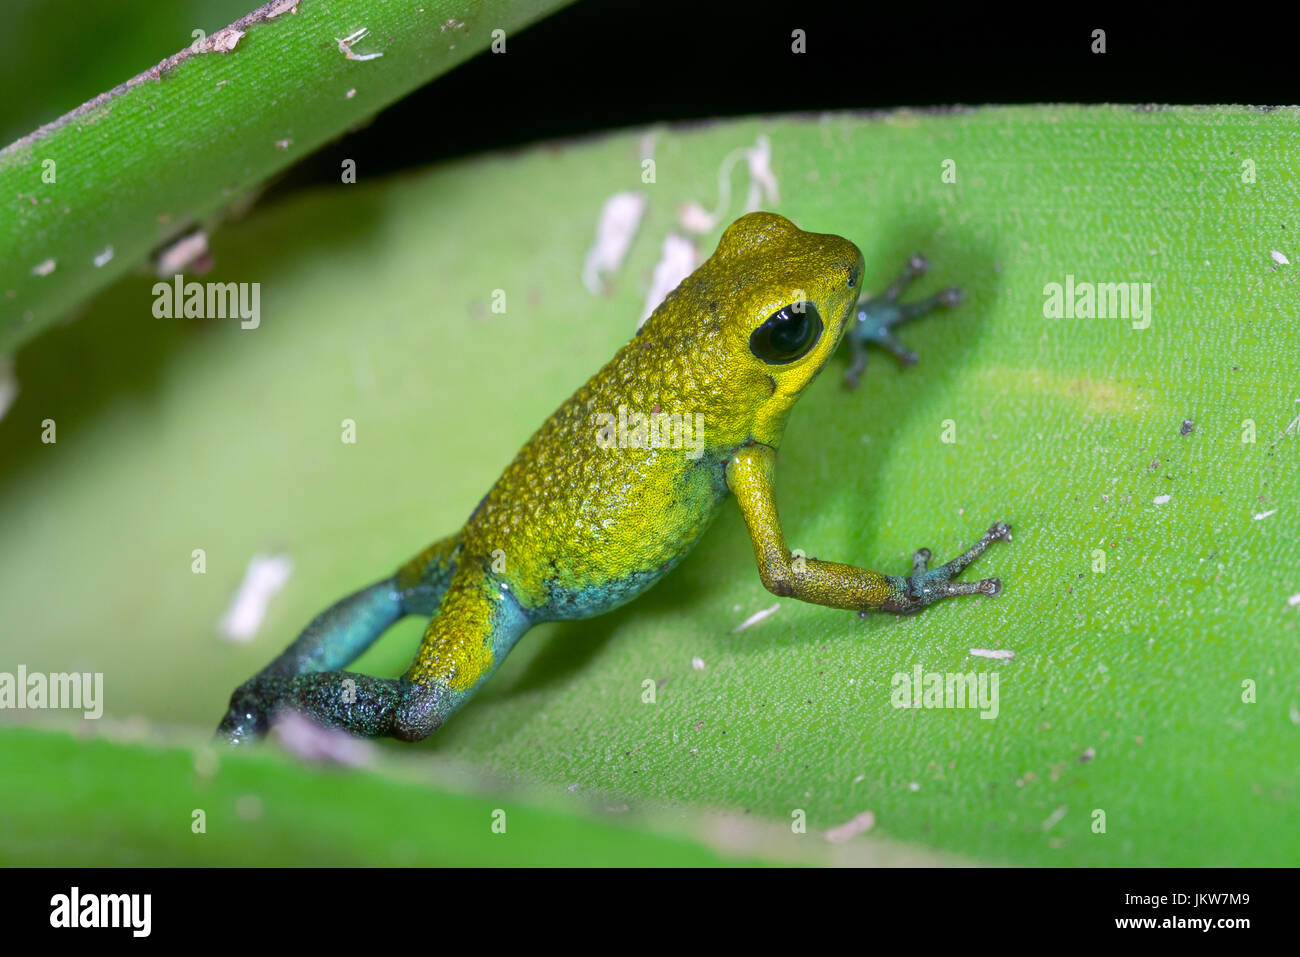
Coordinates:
<point>613,491</point>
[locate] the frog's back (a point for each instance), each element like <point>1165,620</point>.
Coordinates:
<point>586,520</point>
<point>583,518</point>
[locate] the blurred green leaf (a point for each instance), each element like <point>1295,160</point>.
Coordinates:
<point>225,810</point>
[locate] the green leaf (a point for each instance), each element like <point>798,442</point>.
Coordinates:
<point>1125,694</point>
<point>81,801</point>
<point>91,194</point>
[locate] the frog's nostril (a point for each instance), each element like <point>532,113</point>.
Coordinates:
<point>853,277</point>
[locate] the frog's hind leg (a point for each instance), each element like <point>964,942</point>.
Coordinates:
<point>475,624</point>
<point>876,318</point>
<point>340,634</point>
<point>475,627</point>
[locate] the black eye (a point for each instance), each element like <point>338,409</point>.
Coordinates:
<point>787,335</point>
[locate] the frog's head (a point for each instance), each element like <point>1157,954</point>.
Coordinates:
<point>789,297</point>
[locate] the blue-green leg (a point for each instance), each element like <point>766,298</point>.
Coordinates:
<point>306,675</point>
<point>340,634</point>
<point>877,317</point>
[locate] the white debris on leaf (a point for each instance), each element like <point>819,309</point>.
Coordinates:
<point>677,260</point>
<point>345,45</point>
<point>1161,499</point>
<point>1294,600</point>
<point>44,268</point>
<point>762,187</point>
<point>1263,515</point>
<point>314,742</point>
<point>181,254</point>
<point>619,219</point>
<point>762,181</point>
<point>263,579</point>
<point>1280,258</point>
<point>697,663</point>
<point>223,41</point>
<point>1054,818</point>
<point>755,618</point>
<point>103,259</point>
<point>1293,426</point>
<point>1001,655</point>
<point>694,218</point>
<point>850,829</point>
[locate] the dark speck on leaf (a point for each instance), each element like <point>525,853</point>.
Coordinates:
<point>1187,427</point>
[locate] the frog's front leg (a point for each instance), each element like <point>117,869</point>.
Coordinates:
<point>876,318</point>
<point>749,475</point>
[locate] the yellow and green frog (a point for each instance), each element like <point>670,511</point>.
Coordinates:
<point>591,513</point>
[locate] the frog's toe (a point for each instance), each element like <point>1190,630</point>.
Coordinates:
<point>903,354</point>
<point>926,585</point>
<point>917,265</point>
<point>246,719</point>
<point>944,299</point>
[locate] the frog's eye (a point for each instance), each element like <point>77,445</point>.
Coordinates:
<point>788,334</point>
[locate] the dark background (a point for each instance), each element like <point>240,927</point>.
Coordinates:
<point>600,65</point>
